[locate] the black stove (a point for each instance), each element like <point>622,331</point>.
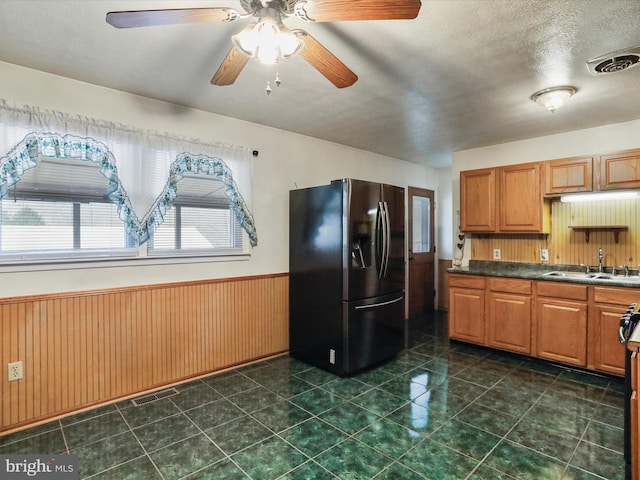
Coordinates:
<point>628,323</point>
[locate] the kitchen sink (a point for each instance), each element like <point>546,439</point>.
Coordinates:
<point>592,276</point>
<point>558,273</point>
<point>600,276</point>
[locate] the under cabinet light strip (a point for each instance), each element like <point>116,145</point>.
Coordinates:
<point>592,197</point>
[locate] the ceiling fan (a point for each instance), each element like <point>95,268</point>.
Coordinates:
<point>268,40</point>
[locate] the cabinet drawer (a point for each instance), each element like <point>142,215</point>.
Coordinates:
<point>618,296</point>
<point>466,281</point>
<point>510,285</point>
<point>562,290</point>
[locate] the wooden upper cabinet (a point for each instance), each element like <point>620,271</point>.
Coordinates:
<point>620,170</point>
<point>478,200</point>
<point>504,199</point>
<point>522,205</point>
<point>568,175</point>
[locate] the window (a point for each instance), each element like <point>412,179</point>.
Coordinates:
<point>421,224</point>
<point>41,228</point>
<point>201,220</point>
<point>196,229</point>
<point>60,209</point>
<point>69,195</point>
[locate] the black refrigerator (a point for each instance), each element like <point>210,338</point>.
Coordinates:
<point>347,274</point>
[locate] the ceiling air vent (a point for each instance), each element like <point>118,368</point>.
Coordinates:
<point>615,61</point>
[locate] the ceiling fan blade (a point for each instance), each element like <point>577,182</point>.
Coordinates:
<point>230,68</point>
<point>339,10</point>
<point>147,18</point>
<point>326,62</point>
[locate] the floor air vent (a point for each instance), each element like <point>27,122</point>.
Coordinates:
<point>615,61</point>
<point>152,397</point>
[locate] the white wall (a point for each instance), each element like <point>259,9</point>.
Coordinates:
<point>443,210</point>
<point>591,141</point>
<point>286,161</point>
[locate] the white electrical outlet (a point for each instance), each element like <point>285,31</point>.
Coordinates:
<point>15,371</point>
<point>544,254</point>
<point>496,254</point>
<point>332,356</point>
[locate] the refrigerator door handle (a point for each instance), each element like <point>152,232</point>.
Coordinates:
<point>381,304</point>
<point>387,237</point>
<point>380,240</point>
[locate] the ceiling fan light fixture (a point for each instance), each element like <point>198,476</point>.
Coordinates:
<point>290,44</point>
<point>553,98</point>
<point>267,42</point>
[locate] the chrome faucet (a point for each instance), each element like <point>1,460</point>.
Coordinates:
<point>625,270</point>
<point>600,257</point>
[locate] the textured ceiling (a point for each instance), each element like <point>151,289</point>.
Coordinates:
<point>459,76</point>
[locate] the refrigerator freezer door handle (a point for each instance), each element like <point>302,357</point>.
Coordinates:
<point>381,304</point>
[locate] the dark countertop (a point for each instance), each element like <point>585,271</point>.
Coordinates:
<point>536,271</point>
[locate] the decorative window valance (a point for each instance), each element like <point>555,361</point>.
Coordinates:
<point>143,168</point>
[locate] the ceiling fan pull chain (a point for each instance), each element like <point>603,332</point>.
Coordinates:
<point>268,89</point>
<point>278,81</point>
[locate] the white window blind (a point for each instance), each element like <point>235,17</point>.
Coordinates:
<point>60,209</point>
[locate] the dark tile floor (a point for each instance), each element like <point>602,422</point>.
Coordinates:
<point>441,410</point>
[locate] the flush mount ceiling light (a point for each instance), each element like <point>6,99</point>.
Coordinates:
<point>553,98</point>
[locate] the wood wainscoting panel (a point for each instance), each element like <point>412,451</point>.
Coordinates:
<point>443,284</point>
<point>86,348</point>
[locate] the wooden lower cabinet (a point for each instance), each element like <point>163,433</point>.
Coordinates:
<point>569,323</point>
<point>508,315</point>
<point>562,331</point>
<point>466,308</point>
<point>606,351</point>
<point>561,320</point>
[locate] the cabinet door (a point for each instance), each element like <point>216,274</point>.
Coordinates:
<point>478,200</point>
<point>606,351</point>
<point>509,322</point>
<point>562,331</point>
<point>568,175</point>
<point>466,314</point>
<point>621,170</point>
<point>521,200</point>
